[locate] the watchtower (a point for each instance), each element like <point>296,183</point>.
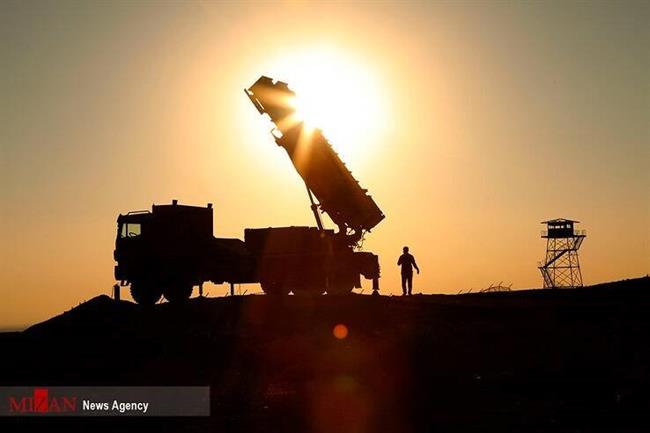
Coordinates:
<point>561,269</point>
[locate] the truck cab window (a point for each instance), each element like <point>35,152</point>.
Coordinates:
<point>130,230</point>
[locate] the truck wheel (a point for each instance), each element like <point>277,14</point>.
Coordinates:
<point>339,290</point>
<point>178,292</point>
<point>312,285</point>
<point>145,294</point>
<point>339,286</point>
<point>272,287</point>
<point>308,293</point>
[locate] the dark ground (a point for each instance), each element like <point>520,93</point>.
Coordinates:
<point>546,360</point>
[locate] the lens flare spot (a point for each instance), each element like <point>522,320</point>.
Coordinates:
<point>340,331</point>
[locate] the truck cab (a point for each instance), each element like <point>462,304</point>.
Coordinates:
<point>170,249</point>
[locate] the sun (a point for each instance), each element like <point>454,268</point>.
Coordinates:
<point>336,94</point>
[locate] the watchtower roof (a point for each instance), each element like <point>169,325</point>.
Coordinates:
<point>559,221</point>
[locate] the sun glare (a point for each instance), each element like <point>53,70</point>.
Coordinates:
<point>336,94</point>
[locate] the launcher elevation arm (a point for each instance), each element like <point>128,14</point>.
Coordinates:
<point>326,176</point>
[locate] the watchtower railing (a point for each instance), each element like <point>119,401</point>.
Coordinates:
<point>544,233</point>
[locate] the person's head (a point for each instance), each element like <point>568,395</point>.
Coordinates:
<point>405,249</point>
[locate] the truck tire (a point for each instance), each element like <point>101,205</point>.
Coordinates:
<point>308,293</point>
<point>178,292</point>
<point>313,287</point>
<point>145,294</point>
<point>274,287</point>
<point>339,285</point>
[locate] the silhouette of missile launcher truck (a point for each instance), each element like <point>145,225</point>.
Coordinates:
<point>170,249</point>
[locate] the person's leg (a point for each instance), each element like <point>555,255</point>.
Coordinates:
<point>410,283</point>
<point>403,284</point>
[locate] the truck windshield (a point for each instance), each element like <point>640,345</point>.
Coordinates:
<point>130,230</point>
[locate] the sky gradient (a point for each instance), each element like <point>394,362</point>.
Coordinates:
<point>495,116</point>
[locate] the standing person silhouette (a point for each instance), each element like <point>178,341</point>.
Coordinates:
<point>407,262</point>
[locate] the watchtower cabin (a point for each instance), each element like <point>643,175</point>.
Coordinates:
<point>559,228</point>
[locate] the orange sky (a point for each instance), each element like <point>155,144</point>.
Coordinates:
<point>492,118</point>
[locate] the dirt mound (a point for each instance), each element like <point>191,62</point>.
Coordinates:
<point>563,360</point>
